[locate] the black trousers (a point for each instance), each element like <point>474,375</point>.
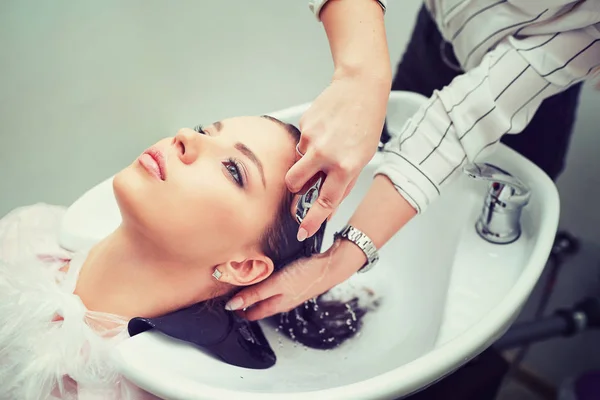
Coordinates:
<point>544,141</point>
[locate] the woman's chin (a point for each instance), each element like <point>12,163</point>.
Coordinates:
<point>141,203</point>
<point>132,193</point>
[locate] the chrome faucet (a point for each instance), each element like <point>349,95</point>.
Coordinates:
<point>500,219</point>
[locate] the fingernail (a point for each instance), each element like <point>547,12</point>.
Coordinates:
<point>234,304</point>
<point>302,234</point>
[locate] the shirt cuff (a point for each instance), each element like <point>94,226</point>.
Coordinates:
<point>408,180</point>
<point>315,6</point>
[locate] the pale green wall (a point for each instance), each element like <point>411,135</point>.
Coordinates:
<point>85,86</point>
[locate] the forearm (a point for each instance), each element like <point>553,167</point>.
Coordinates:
<point>457,125</point>
<point>380,215</point>
<point>357,39</point>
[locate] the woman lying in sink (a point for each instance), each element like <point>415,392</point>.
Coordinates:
<point>204,213</point>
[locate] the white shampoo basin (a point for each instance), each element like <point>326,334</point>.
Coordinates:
<point>446,294</point>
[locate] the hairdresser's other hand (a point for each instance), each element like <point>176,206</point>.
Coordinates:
<point>300,281</point>
<point>340,134</point>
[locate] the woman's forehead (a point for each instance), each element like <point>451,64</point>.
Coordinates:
<point>244,126</point>
<point>265,137</point>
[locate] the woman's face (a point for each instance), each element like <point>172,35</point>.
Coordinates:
<point>208,196</point>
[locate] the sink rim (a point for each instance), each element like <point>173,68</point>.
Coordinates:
<point>441,360</point>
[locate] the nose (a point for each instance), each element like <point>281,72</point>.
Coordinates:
<point>188,145</point>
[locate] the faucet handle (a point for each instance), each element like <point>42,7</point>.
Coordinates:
<point>506,188</point>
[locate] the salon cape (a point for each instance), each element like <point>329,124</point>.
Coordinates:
<point>51,346</point>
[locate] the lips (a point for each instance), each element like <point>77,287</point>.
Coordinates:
<point>153,161</point>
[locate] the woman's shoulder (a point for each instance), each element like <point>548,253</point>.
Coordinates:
<point>30,229</point>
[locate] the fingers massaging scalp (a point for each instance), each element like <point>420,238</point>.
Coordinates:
<point>320,324</point>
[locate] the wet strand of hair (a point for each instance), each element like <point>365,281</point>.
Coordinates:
<point>322,324</point>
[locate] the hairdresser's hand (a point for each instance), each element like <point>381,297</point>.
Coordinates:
<point>340,134</point>
<point>381,214</point>
<point>300,281</point>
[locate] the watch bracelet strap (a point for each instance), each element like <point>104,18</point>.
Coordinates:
<point>363,242</point>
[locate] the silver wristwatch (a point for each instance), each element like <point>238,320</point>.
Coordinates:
<point>363,242</point>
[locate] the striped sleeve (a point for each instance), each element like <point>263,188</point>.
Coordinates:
<point>469,116</point>
<point>315,6</point>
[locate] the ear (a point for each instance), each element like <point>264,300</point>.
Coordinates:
<point>247,272</point>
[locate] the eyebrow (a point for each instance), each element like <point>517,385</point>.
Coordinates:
<point>218,125</point>
<point>250,154</point>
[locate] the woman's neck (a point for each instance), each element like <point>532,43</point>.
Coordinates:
<point>125,275</point>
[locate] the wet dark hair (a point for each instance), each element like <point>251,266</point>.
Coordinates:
<point>208,325</point>
<point>318,323</point>
<point>279,241</point>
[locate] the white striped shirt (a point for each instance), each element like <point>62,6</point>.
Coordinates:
<point>516,53</point>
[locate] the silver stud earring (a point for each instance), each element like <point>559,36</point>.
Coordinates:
<point>217,274</point>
